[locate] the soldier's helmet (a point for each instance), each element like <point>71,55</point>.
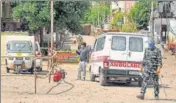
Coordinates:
<point>151,44</point>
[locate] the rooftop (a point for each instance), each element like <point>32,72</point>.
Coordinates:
<point>125,33</point>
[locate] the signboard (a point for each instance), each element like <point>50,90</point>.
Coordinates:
<point>67,57</point>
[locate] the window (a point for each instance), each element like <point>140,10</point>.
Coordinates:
<point>99,44</point>
<point>135,44</point>
<point>17,46</point>
<point>94,45</point>
<point>118,43</point>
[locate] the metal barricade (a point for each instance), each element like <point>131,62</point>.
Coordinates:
<point>52,62</point>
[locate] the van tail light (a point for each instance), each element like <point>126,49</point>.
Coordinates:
<point>105,64</point>
<point>105,60</point>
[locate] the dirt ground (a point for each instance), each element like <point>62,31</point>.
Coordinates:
<point>20,89</point>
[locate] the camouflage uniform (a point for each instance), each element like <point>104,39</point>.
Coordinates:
<point>152,59</point>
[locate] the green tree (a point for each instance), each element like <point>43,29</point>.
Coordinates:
<point>118,17</point>
<point>69,14</point>
<point>129,27</point>
<point>140,13</point>
<point>35,14</point>
<point>97,12</point>
<point>119,24</point>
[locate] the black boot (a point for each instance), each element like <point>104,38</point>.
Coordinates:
<point>156,96</point>
<point>141,96</point>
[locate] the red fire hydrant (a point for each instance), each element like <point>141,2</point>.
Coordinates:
<point>58,75</point>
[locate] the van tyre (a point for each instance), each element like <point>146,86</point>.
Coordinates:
<point>32,70</point>
<point>128,81</point>
<point>140,82</point>
<point>92,76</point>
<point>103,79</point>
<point>7,70</point>
<point>40,69</point>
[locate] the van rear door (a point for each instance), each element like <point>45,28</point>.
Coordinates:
<point>118,53</point>
<point>136,48</point>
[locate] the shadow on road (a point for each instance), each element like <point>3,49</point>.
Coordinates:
<point>161,86</point>
<point>114,84</point>
<point>43,72</point>
<point>133,84</point>
<point>169,100</point>
<point>121,84</point>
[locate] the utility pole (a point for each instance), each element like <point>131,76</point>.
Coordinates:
<point>125,11</point>
<point>152,20</point>
<point>110,17</point>
<point>0,14</point>
<point>98,16</point>
<point>0,23</point>
<point>104,14</point>
<point>52,25</point>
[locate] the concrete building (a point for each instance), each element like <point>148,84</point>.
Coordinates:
<point>123,5</point>
<point>7,23</point>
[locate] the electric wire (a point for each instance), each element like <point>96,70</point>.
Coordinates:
<point>67,90</point>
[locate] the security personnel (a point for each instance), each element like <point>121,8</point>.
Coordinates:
<point>152,63</point>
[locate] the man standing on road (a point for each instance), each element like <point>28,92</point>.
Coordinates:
<point>83,52</point>
<point>152,63</point>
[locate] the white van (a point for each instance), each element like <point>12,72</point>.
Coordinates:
<point>117,56</point>
<point>20,46</point>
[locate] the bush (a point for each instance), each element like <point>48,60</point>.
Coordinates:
<point>117,17</point>
<point>129,27</point>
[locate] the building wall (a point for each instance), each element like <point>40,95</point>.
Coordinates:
<point>129,4</point>
<point>8,24</point>
<point>124,5</point>
<point>6,10</point>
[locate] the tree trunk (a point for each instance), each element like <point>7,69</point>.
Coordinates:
<point>57,39</point>
<point>41,36</point>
